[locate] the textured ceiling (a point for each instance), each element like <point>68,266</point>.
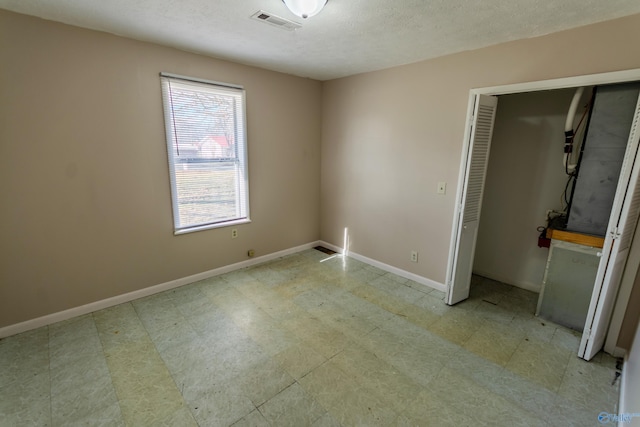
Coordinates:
<point>347,37</point>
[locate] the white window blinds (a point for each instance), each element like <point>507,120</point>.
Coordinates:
<point>206,145</point>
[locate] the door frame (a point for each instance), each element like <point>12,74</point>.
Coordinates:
<point>535,86</point>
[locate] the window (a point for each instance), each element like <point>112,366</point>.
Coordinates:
<point>206,143</point>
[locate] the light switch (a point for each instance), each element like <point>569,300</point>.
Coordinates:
<point>442,188</point>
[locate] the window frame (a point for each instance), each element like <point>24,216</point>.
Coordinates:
<point>240,140</point>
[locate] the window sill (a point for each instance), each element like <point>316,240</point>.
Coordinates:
<point>211,226</point>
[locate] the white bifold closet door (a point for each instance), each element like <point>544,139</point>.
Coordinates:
<point>620,231</point>
<point>470,202</point>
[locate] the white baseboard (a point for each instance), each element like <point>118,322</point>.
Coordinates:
<point>391,269</point>
<point>130,296</point>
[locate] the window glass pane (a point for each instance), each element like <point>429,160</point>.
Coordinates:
<point>207,152</point>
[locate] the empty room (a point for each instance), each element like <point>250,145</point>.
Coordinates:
<point>319,213</point>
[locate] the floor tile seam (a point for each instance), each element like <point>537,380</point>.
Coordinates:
<point>258,408</point>
<point>250,330</point>
<point>86,410</point>
<point>559,328</point>
<point>118,392</point>
<point>520,344</point>
<point>568,354</point>
<point>350,378</point>
<point>50,375</point>
<point>319,351</point>
<point>528,379</point>
<point>76,337</point>
<point>365,386</point>
<point>154,313</point>
<point>404,316</point>
<point>562,381</point>
<point>321,365</point>
<point>558,404</point>
<point>180,311</point>
<point>316,331</point>
<point>193,326</point>
<point>377,304</point>
<point>373,326</point>
<point>230,423</point>
<point>378,393</point>
<point>340,302</point>
<point>418,289</point>
<point>493,394</point>
<point>475,352</point>
<point>515,333</point>
<point>461,349</point>
<point>289,281</point>
<point>19,385</point>
<point>323,318</point>
<point>82,341</point>
<point>169,346</point>
<point>293,381</point>
<point>226,377</point>
<point>21,353</point>
<point>457,312</point>
<point>517,403</point>
<point>416,321</point>
<point>102,345</point>
<point>155,334</point>
<point>376,289</point>
<point>83,383</point>
<point>459,344</point>
<point>586,407</point>
<point>75,358</point>
<point>164,362</point>
<point>122,344</point>
<point>146,367</point>
<point>412,342</point>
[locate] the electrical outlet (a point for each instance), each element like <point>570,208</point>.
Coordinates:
<point>234,233</point>
<point>414,256</point>
<point>442,188</point>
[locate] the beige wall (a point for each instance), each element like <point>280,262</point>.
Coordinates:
<point>86,208</point>
<point>525,178</point>
<point>630,393</point>
<point>631,319</point>
<point>389,136</point>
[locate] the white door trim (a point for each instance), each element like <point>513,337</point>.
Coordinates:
<point>561,83</point>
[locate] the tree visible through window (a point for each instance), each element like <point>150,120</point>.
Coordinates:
<point>206,144</point>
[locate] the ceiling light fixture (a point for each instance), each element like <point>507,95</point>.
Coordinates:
<point>305,8</point>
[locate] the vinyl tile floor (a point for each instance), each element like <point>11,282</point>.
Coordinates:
<point>306,340</point>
